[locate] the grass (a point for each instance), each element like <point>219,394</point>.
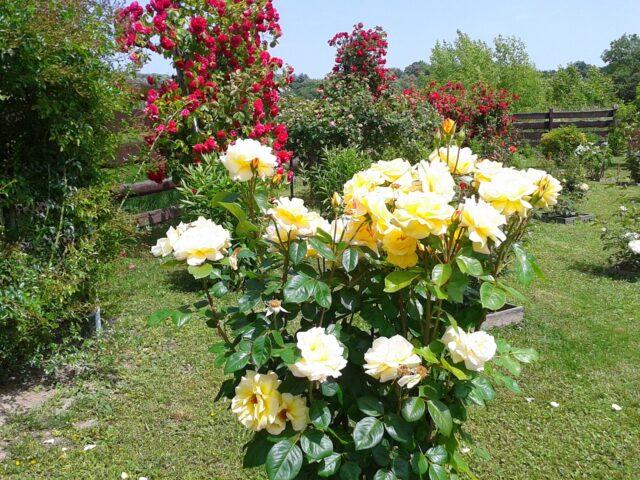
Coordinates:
<point>151,390</point>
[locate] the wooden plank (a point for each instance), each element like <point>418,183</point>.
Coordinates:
<point>530,116</point>
<point>584,114</point>
<point>531,125</point>
<point>146,187</point>
<point>585,123</point>
<point>154,217</point>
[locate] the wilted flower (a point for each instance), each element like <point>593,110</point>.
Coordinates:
<point>274,307</point>
<point>321,355</point>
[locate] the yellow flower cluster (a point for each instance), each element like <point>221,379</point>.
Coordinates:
<point>260,406</point>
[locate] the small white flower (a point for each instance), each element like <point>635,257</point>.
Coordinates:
<point>64,449</point>
<point>615,407</point>
<point>274,307</point>
<point>124,475</point>
<point>143,478</point>
<point>623,208</point>
<point>554,404</point>
<point>603,229</point>
<point>89,447</point>
<point>464,450</point>
<point>634,246</point>
<point>583,187</point>
<point>529,399</point>
<point>49,441</point>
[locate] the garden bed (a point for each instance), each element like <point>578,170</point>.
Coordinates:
<point>580,217</point>
<point>507,315</point>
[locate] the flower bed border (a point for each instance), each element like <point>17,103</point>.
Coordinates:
<point>581,217</point>
<point>509,315</point>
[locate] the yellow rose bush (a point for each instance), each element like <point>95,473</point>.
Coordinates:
<point>355,347</point>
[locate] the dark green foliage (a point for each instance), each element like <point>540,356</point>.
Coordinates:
<point>622,60</point>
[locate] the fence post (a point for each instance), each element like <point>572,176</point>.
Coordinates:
<point>615,114</point>
<point>550,122</point>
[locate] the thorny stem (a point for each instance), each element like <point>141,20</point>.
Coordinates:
<point>221,331</point>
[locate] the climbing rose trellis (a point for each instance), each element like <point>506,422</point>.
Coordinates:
<point>353,349</point>
<point>226,84</point>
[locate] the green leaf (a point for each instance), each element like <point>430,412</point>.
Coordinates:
<point>397,428</point>
<point>262,199</point>
<point>180,318</point>
<point>492,297</point>
<point>297,252</point>
<point>249,300</point>
<point>459,374</point>
<point>316,445</point>
<point>398,280</point>
<point>512,365</point>
<point>257,451</point>
<point>200,271</point>
<point>284,461</point>
<point>261,350</point>
<point>329,465</point>
<point>320,414</point>
<point>245,227</point>
<point>298,288</point>
<point>287,353</point>
<point>413,409</point>
<point>219,289</point>
<point>384,475</point>
<point>159,316</point>
<point>367,433</point>
<point>322,248</point>
<point>400,468</point>
<point>350,471</point>
<point>350,259</point>
<point>349,299</point>
<point>525,355</point>
<point>331,389</point>
<point>437,454</point>
<point>441,273</point>
<point>322,294</point>
<point>508,382</point>
<point>370,406</point>
<point>277,337</point>
<point>484,388</point>
<point>419,464</point>
<point>456,286</point>
<point>427,355</point>
<point>236,361</point>
<point>469,265</point>
<point>437,472</point>
<point>441,416</point>
<point>235,209</point>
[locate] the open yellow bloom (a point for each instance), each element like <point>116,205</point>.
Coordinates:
<point>420,214</point>
<point>435,178</point>
<point>360,232</point>
<point>357,189</point>
<point>460,160</point>
<point>293,408</point>
<point>246,158</point>
<point>387,356</point>
<point>292,219</point>
<point>200,241</point>
<point>486,170</point>
<point>546,195</point>
<point>391,170</point>
<point>508,192</point>
<point>376,203</point>
<point>257,400</point>
<point>483,223</point>
<point>400,248</point>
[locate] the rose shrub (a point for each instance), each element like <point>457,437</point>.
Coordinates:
<point>354,350</point>
<point>226,85</point>
<point>621,237</point>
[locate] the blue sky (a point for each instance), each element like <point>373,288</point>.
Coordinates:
<point>555,31</point>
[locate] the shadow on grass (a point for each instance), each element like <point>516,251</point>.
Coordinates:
<point>612,272</point>
<point>182,281</point>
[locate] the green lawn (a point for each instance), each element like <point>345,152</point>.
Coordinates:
<point>150,391</point>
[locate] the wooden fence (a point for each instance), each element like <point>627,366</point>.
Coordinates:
<point>532,126</point>
<point>150,187</point>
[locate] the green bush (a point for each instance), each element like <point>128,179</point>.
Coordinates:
<point>621,237</point>
<point>626,121</point>
<point>560,143</point>
<point>595,159</point>
<point>633,155</point>
<point>59,98</point>
<point>348,115</point>
<point>329,175</point>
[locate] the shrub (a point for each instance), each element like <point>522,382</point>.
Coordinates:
<point>348,115</point>
<point>60,97</point>
<point>571,88</point>
<point>626,121</point>
<point>561,143</point>
<point>227,83</point>
<point>595,159</point>
<point>355,350</point>
<point>621,237</point>
<point>633,156</point>
<point>331,173</point>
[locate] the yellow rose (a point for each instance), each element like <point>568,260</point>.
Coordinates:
<point>356,189</point>
<point>548,188</point>
<point>246,158</point>
<point>435,178</point>
<point>448,125</point>
<point>376,203</point>
<point>420,214</point>
<point>293,408</point>
<point>400,248</point>
<point>292,219</point>
<point>460,160</point>
<point>360,232</point>
<point>257,400</point>
<point>486,170</point>
<point>391,170</point>
<point>508,192</point>
<point>483,223</point>
<point>202,240</point>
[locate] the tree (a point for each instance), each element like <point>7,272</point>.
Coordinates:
<point>571,88</point>
<point>623,64</point>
